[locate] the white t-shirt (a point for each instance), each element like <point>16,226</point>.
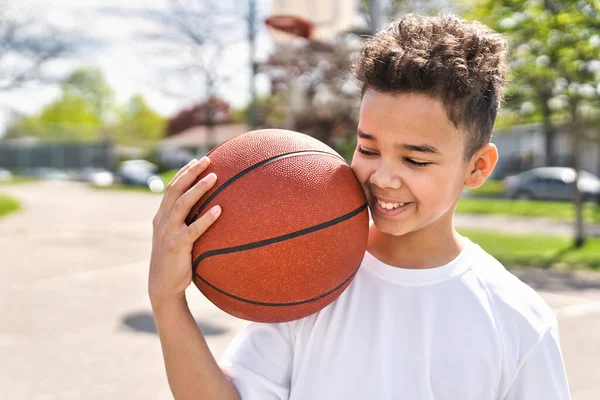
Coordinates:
<point>466,330</point>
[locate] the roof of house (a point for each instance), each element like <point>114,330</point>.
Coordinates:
<point>198,135</point>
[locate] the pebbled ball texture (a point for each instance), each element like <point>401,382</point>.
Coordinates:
<point>293,230</point>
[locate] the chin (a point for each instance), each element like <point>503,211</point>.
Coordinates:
<point>389,227</point>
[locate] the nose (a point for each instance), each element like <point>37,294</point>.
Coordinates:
<point>385,177</point>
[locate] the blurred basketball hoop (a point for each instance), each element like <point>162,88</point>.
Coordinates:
<point>293,22</point>
<point>315,20</point>
<point>290,25</point>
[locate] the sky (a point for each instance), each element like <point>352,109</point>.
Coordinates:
<point>130,62</point>
<point>118,44</point>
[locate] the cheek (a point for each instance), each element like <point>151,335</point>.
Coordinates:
<point>361,168</point>
<point>433,187</point>
<point>424,186</point>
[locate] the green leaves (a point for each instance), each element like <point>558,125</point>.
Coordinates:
<point>67,118</point>
<point>90,85</point>
<point>86,111</point>
<point>138,124</point>
<point>555,49</point>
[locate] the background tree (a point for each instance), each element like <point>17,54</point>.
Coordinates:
<point>26,47</point>
<point>270,112</point>
<point>67,118</point>
<point>90,85</point>
<point>138,124</point>
<point>391,9</point>
<point>556,67</point>
<point>212,111</point>
<point>86,111</point>
<point>79,113</point>
<point>194,37</point>
<point>314,79</point>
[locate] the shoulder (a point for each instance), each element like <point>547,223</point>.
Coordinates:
<point>509,296</point>
<point>520,314</point>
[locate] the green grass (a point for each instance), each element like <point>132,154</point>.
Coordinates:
<point>16,180</point>
<point>489,188</point>
<point>537,250</point>
<point>8,205</point>
<point>119,187</point>
<point>527,208</point>
<point>168,175</point>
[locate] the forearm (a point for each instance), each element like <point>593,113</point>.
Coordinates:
<point>192,370</point>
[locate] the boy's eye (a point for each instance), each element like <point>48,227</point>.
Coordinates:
<point>408,160</point>
<point>365,152</point>
<point>417,163</point>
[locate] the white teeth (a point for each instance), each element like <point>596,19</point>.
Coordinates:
<point>389,206</point>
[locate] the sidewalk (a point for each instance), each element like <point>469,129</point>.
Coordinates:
<point>523,225</point>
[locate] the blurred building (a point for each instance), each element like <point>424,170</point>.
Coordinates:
<point>196,129</point>
<point>196,141</point>
<point>213,111</point>
<point>522,147</point>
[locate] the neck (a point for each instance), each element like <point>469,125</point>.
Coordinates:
<point>432,246</point>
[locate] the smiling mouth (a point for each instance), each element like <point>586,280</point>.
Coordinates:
<point>389,206</point>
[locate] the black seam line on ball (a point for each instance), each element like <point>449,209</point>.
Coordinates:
<point>277,239</point>
<point>295,303</point>
<point>251,168</point>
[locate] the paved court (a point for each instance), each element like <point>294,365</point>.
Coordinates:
<point>76,319</point>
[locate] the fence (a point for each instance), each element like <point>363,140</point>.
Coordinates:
<point>69,155</point>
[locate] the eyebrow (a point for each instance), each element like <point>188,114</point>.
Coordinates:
<point>423,148</point>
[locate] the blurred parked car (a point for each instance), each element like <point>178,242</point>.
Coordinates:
<point>96,176</point>
<point>140,173</point>
<point>5,175</point>
<point>49,173</point>
<point>551,183</point>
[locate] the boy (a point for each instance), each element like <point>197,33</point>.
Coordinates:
<point>430,315</point>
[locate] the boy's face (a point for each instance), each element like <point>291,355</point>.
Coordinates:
<point>410,157</point>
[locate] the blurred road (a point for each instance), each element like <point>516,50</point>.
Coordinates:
<point>77,321</point>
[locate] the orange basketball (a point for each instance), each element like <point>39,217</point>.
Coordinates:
<point>293,230</point>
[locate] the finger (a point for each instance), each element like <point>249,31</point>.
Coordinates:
<point>183,183</point>
<point>183,169</point>
<point>184,204</point>
<point>193,164</point>
<point>195,230</point>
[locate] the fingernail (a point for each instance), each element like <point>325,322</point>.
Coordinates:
<point>210,178</point>
<point>194,161</point>
<point>216,210</point>
<point>203,161</point>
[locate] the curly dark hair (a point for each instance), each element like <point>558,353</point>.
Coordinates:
<point>461,63</point>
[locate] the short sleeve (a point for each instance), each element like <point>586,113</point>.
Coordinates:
<point>542,374</point>
<point>259,361</point>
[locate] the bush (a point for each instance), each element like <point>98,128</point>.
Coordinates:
<point>8,205</point>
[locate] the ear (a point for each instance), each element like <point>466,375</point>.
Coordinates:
<point>481,166</point>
